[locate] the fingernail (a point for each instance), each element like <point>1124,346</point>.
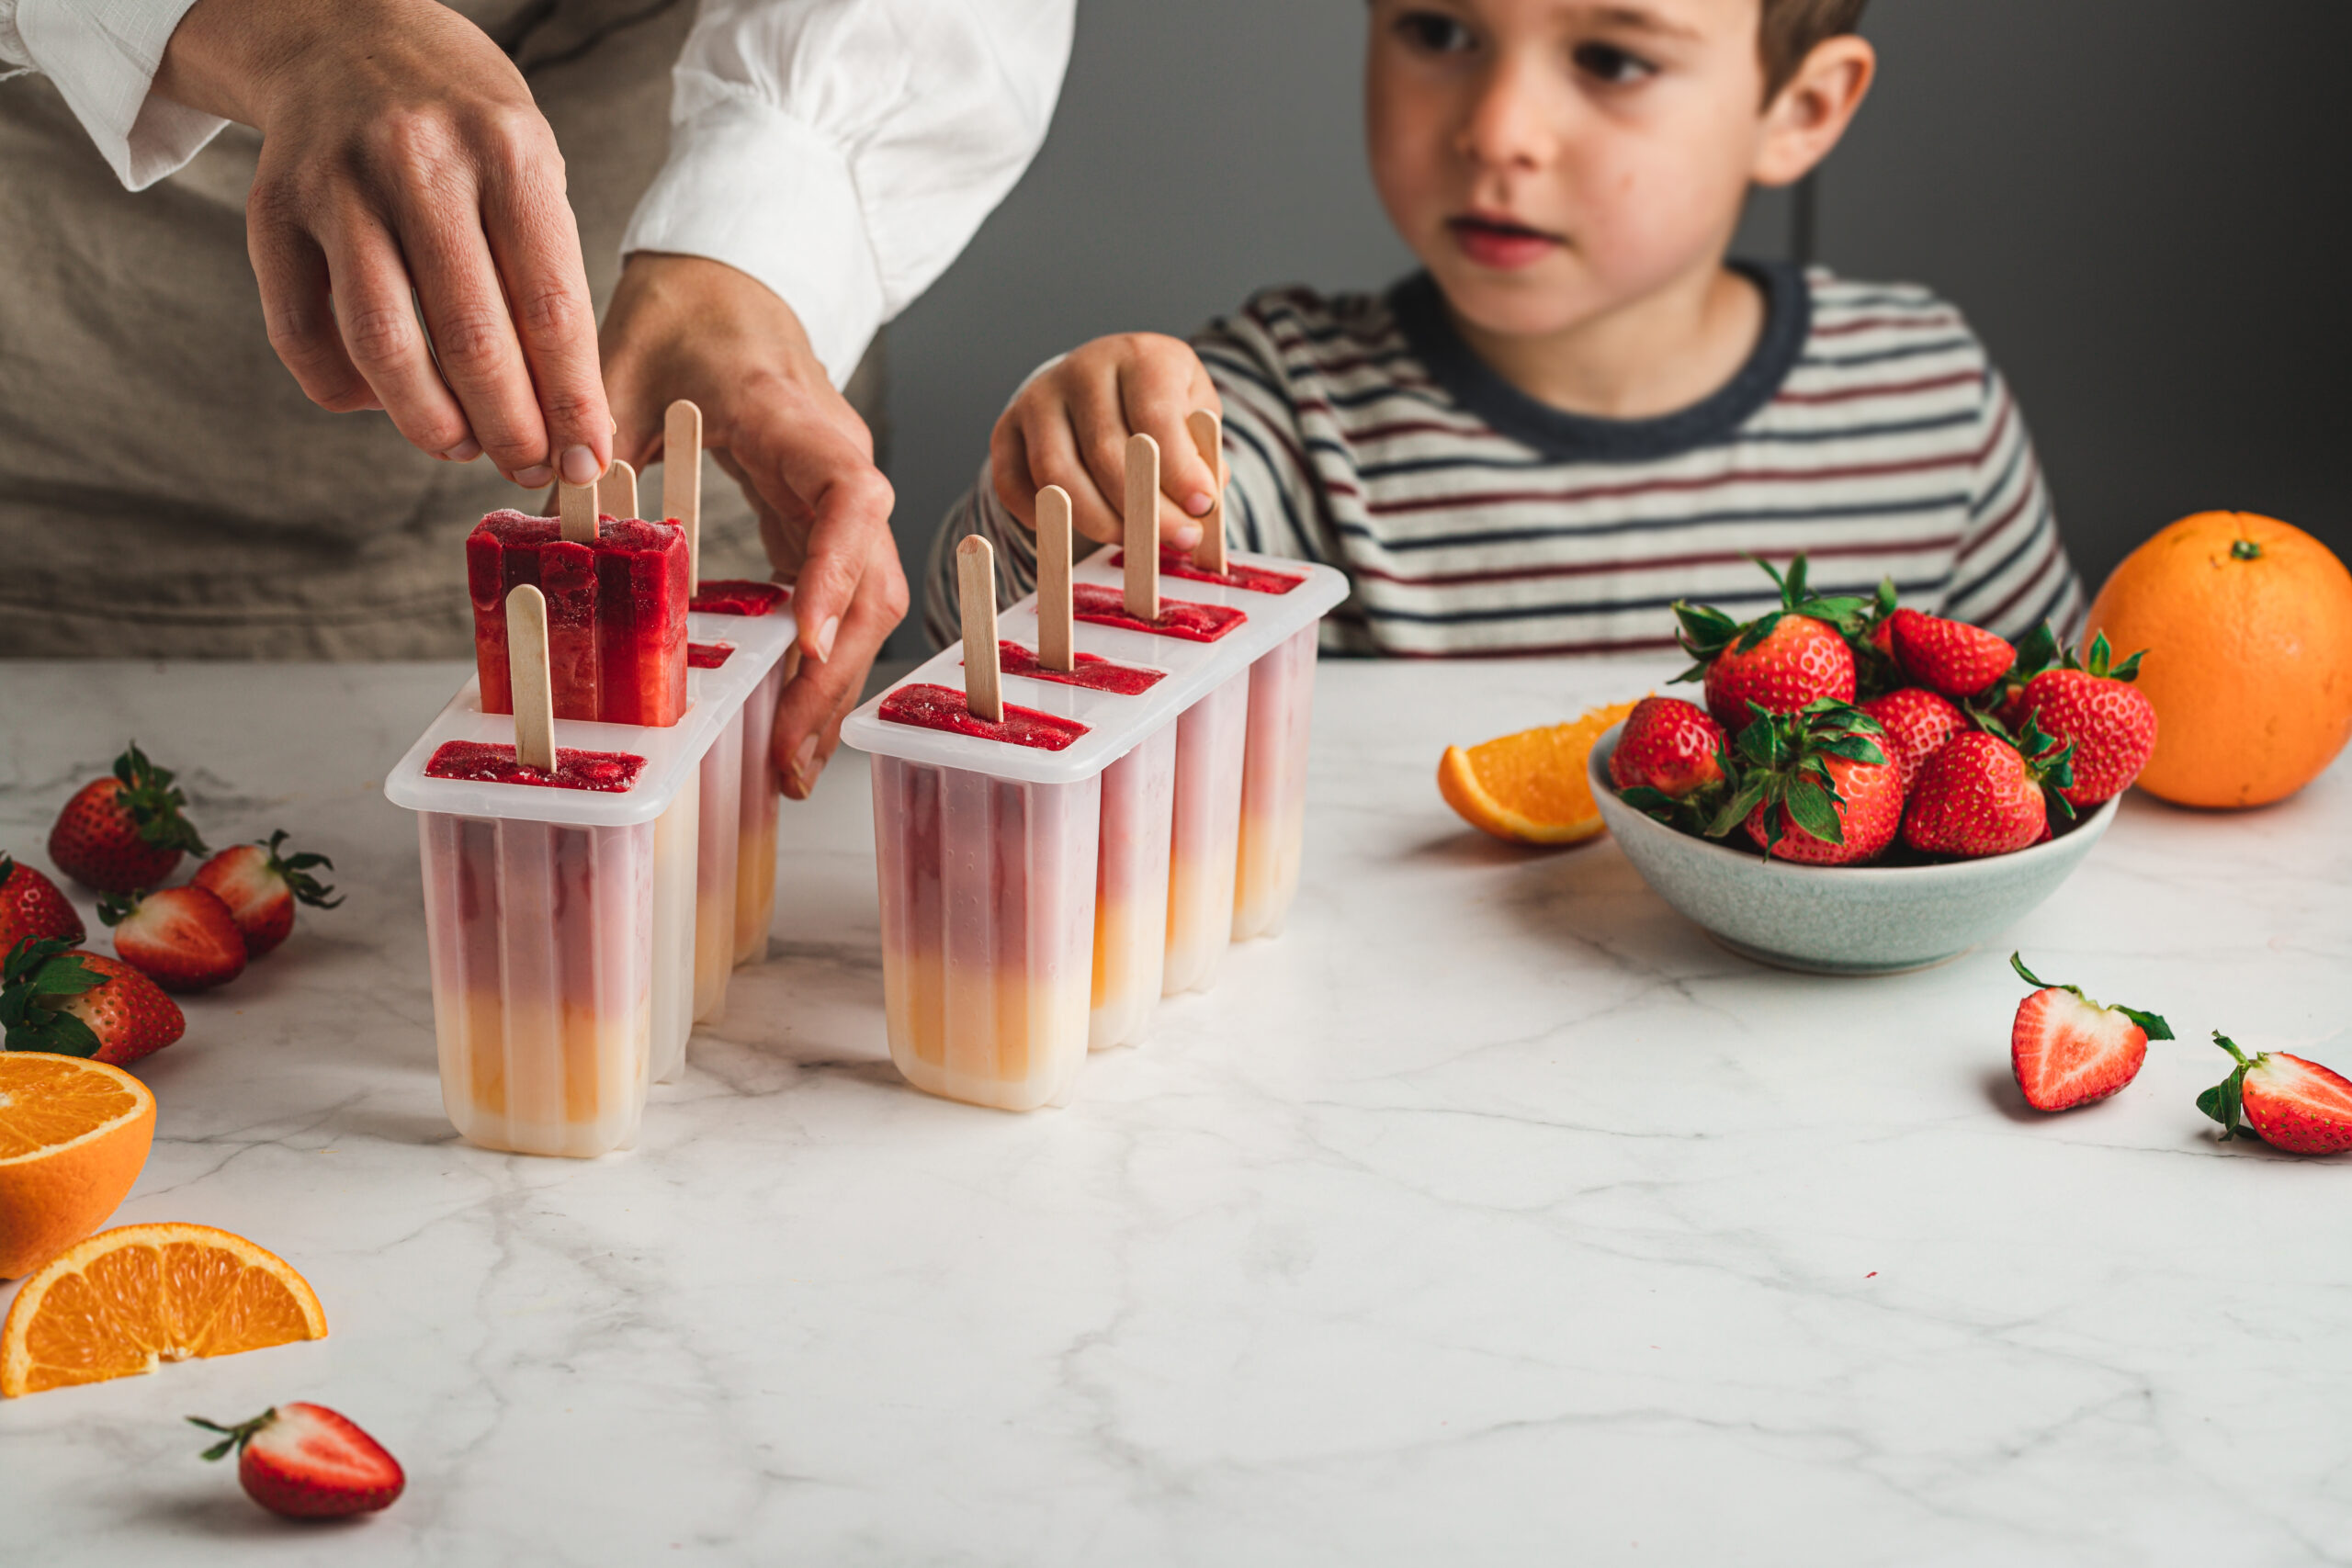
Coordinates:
<point>1199,503</point>
<point>579,465</point>
<point>1184,536</point>
<point>825,638</point>
<point>465,451</point>
<point>804,769</point>
<point>535,477</point>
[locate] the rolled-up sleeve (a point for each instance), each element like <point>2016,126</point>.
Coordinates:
<point>102,55</point>
<point>843,151</point>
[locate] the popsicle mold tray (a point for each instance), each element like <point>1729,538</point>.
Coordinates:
<point>1034,901</point>
<point>560,923</point>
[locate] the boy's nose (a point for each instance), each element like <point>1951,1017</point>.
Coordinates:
<point>1510,122</point>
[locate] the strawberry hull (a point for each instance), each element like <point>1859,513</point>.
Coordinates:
<point>617,614</point>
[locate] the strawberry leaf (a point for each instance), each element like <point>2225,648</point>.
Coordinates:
<point>1808,803</point>
<point>2225,1103</point>
<point>2152,1024</point>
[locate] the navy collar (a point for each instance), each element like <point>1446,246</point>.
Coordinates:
<point>1562,437</point>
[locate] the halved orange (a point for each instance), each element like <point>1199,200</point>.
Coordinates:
<point>128,1300</point>
<point>74,1136</point>
<point>1529,788</point>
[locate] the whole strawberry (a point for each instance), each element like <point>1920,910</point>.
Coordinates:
<point>2295,1105</point>
<point>305,1462</point>
<point>2110,723</point>
<point>82,1004</point>
<point>182,938</point>
<point>1814,787</point>
<point>31,906</point>
<point>1949,656</point>
<point>1915,723</point>
<point>2066,1050</point>
<point>1778,662</point>
<point>1979,796</point>
<point>261,884</point>
<point>1669,746</point>
<point>126,832</point>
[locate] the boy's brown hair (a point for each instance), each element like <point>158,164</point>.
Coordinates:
<point>1791,28</point>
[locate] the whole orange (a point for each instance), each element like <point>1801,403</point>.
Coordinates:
<point>2247,624</point>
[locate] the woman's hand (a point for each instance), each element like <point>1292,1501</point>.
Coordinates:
<point>1070,427</point>
<point>688,327</point>
<point>401,151</point>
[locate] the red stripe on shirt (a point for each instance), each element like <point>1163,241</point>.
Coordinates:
<point>1653,563</point>
<point>1459,501</point>
<point>1882,389</point>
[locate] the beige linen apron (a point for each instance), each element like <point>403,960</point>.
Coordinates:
<point>165,489</point>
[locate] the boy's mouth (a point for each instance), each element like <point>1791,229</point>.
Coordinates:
<point>1492,239</point>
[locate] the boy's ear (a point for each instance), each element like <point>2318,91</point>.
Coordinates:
<point>1805,119</point>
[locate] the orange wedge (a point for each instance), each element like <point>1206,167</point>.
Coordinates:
<point>1529,788</point>
<point>74,1135</point>
<point>128,1299</point>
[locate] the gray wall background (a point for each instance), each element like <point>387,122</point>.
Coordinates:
<point>2141,204</point>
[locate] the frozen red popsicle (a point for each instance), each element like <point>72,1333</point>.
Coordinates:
<point>1091,670</point>
<point>732,597</point>
<point>1250,578</point>
<point>617,614</point>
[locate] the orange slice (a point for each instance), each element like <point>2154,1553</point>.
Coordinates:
<point>1529,788</point>
<point>130,1298</point>
<point>74,1135</point>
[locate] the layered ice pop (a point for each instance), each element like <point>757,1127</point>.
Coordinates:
<point>718,844</point>
<point>539,922</point>
<point>986,886</point>
<point>1273,787</point>
<point>615,591</point>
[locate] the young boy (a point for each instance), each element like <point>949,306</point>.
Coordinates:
<point>1580,411</point>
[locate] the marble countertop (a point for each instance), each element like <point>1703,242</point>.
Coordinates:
<point>1491,1214</point>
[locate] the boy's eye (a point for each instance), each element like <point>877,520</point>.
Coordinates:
<point>1606,62</point>
<point>1434,31</point>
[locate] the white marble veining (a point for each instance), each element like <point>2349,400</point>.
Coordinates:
<point>1489,1215</point>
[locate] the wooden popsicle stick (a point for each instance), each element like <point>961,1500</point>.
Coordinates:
<point>975,586</point>
<point>1054,650</point>
<point>576,504</point>
<point>527,664</point>
<point>682,480</point>
<point>617,491</point>
<point>1208,437</point>
<point>1143,528</point>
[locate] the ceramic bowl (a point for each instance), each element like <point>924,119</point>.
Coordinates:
<point>1866,919</point>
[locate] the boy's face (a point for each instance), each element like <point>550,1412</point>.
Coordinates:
<point>1550,160</point>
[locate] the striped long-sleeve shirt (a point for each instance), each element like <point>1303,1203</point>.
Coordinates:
<point>1867,430</point>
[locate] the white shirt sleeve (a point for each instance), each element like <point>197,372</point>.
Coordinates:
<point>103,55</point>
<point>843,151</point>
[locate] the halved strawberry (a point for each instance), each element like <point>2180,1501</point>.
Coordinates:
<point>82,1004</point>
<point>124,833</point>
<point>305,1462</point>
<point>2067,1050</point>
<point>261,886</point>
<point>183,937</point>
<point>31,906</point>
<point>1952,657</point>
<point>2295,1105</point>
<point>1779,661</point>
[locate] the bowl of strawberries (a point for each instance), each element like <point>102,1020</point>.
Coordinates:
<point>1867,788</point>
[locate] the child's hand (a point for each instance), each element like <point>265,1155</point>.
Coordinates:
<point>1070,427</point>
